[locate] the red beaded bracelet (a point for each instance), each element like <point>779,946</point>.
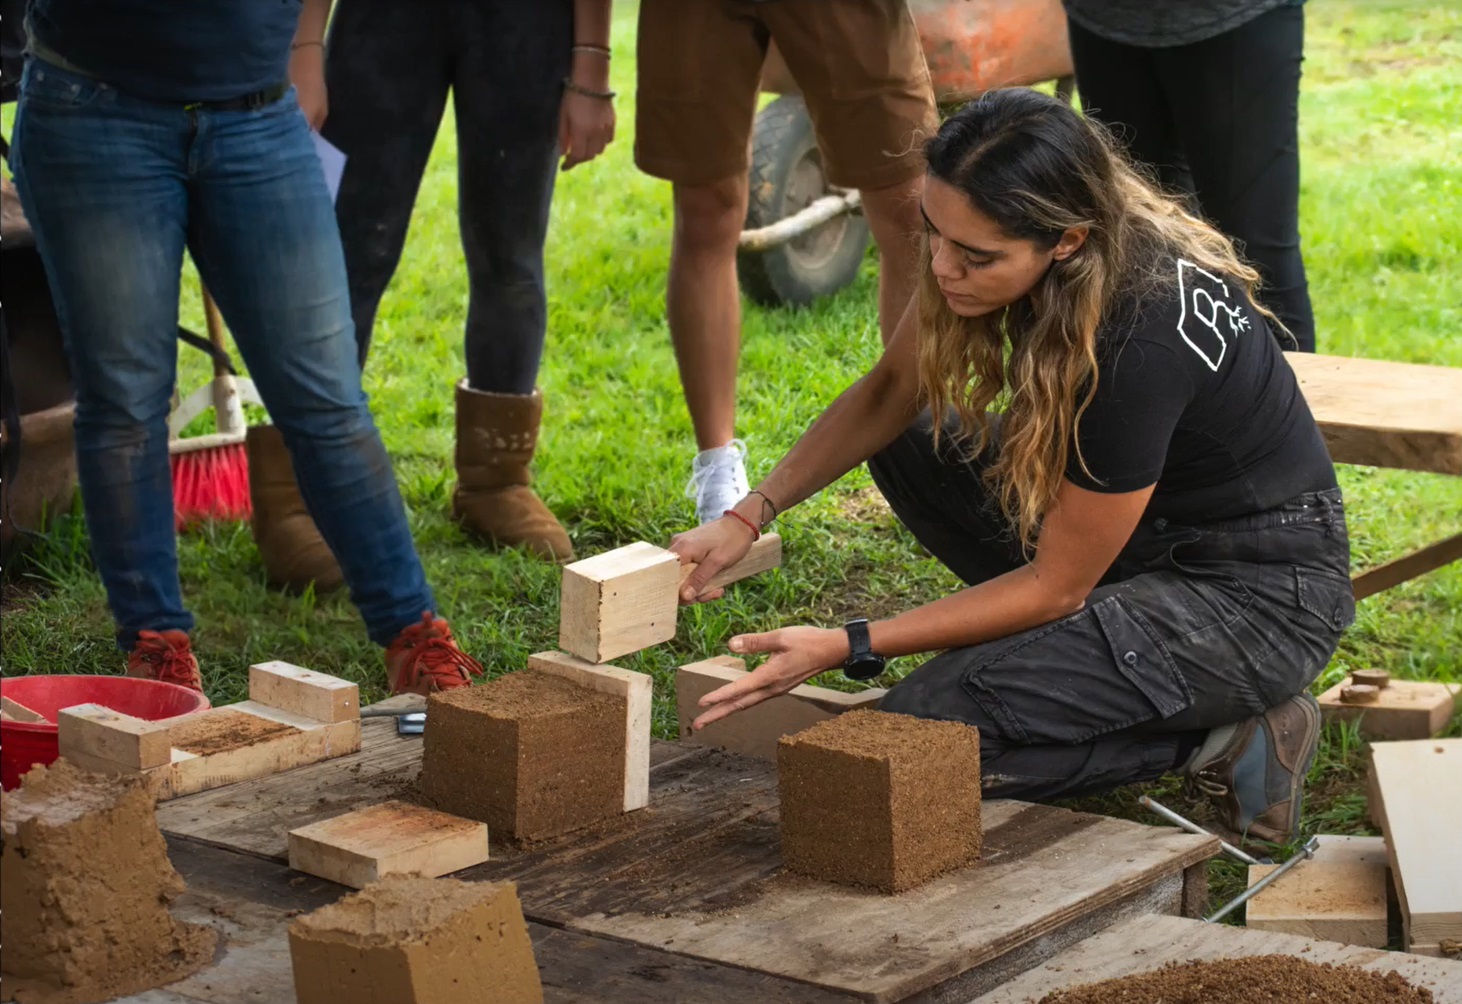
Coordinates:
<point>755,533</point>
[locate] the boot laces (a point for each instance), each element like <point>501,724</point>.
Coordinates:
<point>1205,783</point>
<point>171,662</point>
<point>431,651</point>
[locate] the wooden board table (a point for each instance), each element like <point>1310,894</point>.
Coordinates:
<point>1146,943</point>
<point>698,876</point>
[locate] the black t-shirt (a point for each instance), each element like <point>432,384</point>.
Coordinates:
<point>1194,394</point>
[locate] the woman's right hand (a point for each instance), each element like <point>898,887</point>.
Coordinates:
<point>712,547</point>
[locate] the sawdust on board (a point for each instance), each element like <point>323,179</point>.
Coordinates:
<point>223,729</point>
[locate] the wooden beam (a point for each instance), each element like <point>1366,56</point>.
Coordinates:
<point>1385,414</point>
<point>14,711</point>
<point>637,690</point>
<point>391,838</point>
<point>1417,784</point>
<point>1338,895</point>
<point>627,599</point>
<point>1403,709</point>
<point>304,692</point>
<point>1404,569</point>
<point>92,731</point>
<point>756,730</point>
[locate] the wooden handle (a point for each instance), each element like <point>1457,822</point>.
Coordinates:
<point>765,554</point>
<point>214,320</point>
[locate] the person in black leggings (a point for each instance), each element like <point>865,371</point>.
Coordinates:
<point>1206,94</point>
<point>530,90</point>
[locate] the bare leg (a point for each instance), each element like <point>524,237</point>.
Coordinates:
<point>893,216</point>
<point>703,303</point>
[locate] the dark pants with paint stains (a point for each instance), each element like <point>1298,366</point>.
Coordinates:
<point>1193,627</point>
<point>389,69</point>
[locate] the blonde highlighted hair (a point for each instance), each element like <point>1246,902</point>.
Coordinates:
<point>1037,169</point>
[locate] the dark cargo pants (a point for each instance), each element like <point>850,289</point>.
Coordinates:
<point>1193,627</point>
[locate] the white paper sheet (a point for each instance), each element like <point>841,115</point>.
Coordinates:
<point>332,162</point>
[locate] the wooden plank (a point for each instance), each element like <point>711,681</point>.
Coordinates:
<point>1403,709</point>
<point>1407,567</point>
<point>16,712</point>
<point>638,693</point>
<point>392,838</point>
<point>92,732</point>
<point>1385,414</point>
<point>1143,944</point>
<point>756,730</point>
<point>1418,784</point>
<point>1338,895</point>
<point>304,692</point>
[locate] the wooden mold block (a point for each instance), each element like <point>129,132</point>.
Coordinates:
<point>880,800</point>
<point>417,941</point>
<point>218,746</point>
<point>625,600</point>
<point>756,730</point>
<point>1417,784</point>
<point>1338,895</point>
<point>392,838</point>
<point>1403,709</point>
<point>530,754</point>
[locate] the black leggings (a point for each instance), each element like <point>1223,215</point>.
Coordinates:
<point>389,68</point>
<point>1219,120</point>
<point>1193,627</point>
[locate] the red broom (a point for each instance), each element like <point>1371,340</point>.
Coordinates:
<point>211,473</point>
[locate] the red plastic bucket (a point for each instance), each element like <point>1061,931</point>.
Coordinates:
<point>25,744</point>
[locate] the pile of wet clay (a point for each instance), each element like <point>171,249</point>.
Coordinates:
<point>85,884</point>
<point>1260,979</point>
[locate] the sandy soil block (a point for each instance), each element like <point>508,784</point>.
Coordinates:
<point>85,884</point>
<point>529,754</point>
<point>880,800</point>
<point>417,941</point>
<point>1338,895</point>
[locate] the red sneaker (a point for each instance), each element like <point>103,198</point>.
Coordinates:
<point>166,656</point>
<point>424,658</point>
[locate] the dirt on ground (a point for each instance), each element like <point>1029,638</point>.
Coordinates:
<point>1259,979</point>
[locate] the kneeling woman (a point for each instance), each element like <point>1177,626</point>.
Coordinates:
<point>1150,526</point>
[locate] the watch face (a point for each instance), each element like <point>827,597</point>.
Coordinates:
<point>864,668</point>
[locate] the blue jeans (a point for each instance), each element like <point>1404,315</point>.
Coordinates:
<point>115,188</point>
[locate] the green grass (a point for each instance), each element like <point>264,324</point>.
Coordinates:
<point>1382,221</point>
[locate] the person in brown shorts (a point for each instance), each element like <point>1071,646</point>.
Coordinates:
<point>860,67</point>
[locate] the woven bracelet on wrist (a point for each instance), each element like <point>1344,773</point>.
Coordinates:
<point>569,85</point>
<point>755,533</point>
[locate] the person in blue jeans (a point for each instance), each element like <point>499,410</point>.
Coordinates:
<point>145,128</point>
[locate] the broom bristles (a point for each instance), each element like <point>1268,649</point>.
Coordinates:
<point>211,483</point>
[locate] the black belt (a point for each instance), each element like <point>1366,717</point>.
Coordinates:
<point>245,102</point>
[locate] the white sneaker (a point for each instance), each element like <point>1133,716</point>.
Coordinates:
<point>718,480</point>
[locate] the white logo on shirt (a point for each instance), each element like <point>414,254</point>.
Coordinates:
<point>1200,304</point>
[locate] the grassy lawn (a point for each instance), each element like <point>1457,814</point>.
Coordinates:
<point>1382,221</point>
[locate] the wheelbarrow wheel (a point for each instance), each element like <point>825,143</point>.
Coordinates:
<point>786,176</point>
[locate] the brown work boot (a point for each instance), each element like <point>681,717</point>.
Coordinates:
<point>496,437</point>
<point>1254,772</point>
<point>294,553</point>
<point>166,656</point>
<point>425,657</point>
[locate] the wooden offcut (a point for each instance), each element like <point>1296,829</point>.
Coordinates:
<point>305,692</point>
<point>755,730</point>
<point>14,711</point>
<point>392,838</point>
<point>1403,709</point>
<point>94,732</point>
<point>1417,784</point>
<point>637,690</point>
<point>1145,943</point>
<point>626,600</point>
<point>1338,895</point>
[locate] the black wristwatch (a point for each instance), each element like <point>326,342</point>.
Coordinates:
<point>862,663</point>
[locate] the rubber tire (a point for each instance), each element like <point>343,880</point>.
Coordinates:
<point>781,140</point>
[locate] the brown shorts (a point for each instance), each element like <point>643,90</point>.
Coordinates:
<point>859,64</point>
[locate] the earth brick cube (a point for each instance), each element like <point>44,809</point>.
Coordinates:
<point>880,800</point>
<point>417,941</point>
<point>529,754</point>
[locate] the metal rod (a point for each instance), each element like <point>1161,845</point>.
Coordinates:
<point>809,218</point>
<point>1192,827</point>
<point>1303,854</point>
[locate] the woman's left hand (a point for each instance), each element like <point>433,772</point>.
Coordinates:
<point>585,127</point>
<point>797,655</point>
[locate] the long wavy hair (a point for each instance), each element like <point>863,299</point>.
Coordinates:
<point>1037,168</point>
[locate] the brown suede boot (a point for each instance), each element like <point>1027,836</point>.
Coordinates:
<point>496,437</point>
<point>294,553</point>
